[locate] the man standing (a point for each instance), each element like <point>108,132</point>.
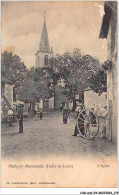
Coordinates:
<point>20,118</point>
<point>65,115</point>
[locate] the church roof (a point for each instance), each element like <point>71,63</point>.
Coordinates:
<point>44,43</point>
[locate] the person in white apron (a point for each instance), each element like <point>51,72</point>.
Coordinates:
<point>10,117</point>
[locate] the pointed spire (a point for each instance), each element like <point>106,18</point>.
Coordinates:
<point>44,16</point>
<point>44,43</point>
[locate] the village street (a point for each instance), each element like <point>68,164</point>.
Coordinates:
<point>50,136</point>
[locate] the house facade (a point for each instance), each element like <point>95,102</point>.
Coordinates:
<point>109,31</point>
<point>6,96</point>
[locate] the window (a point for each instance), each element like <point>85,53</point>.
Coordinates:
<point>46,60</point>
<point>38,61</point>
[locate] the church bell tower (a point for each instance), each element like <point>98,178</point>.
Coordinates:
<point>44,52</point>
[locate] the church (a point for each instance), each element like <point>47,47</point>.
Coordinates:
<point>44,52</point>
<point>42,58</point>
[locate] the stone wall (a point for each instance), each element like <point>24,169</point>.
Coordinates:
<point>112,78</point>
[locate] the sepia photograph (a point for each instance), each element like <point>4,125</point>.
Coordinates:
<point>59,94</point>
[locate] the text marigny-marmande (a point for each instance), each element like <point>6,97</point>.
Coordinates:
<point>41,166</point>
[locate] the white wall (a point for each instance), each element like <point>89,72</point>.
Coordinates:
<point>93,100</point>
<point>40,61</point>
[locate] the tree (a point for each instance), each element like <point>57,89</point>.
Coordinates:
<point>75,71</point>
<point>14,69</point>
<point>43,78</point>
<point>98,81</point>
<point>35,87</point>
<point>30,85</point>
<point>31,91</point>
<point>51,77</point>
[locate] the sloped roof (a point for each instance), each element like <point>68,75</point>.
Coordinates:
<point>44,43</point>
<point>87,89</point>
<point>5,80</point>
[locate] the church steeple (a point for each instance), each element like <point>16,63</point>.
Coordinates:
<point>44,52</point>
<point>44,43</point>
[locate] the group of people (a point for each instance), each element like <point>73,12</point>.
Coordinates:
<point>36,111</point>
<point>19,116</point>
<point>65,114</point>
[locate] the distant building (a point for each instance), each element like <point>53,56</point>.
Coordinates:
<point>6,96</point>
<point>93,100</point>
<point>109,31</point>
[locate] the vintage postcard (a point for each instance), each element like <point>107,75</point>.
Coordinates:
<point>59,94</point>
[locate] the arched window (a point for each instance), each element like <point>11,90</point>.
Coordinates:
<point>38,61</point>
<point>46,60</point>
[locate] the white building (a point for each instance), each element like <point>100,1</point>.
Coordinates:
<point>98,102</point>
<point>109,31</point>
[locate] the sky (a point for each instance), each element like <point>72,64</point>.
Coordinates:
<point>70,25</point>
